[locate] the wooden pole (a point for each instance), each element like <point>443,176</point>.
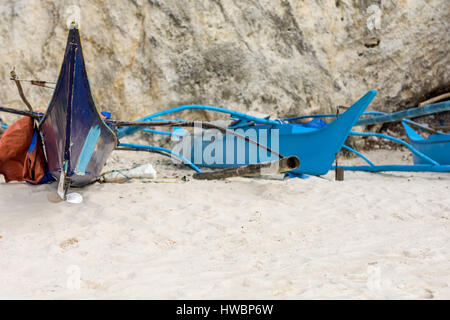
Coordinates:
<point>251,170</point>
<point>410,113</point>
<point>435,99</point>
<point>339,173</point>
<point>41,84</point>
<point>19,87</point>
<point>444,128</point>
<point>31,114</point>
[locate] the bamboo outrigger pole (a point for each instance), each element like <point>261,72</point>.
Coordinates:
<point>31,114</point>
<point>410,113</point>
<point>184,123</point>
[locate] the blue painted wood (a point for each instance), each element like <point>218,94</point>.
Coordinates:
<point>430,155</point>
<point>88,149</point>
<point>332,115</point>
<point>436,146</point>
<point>400,141</point>
<point>316,148</point>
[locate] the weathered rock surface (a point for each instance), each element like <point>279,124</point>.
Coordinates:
<point>281,57</point>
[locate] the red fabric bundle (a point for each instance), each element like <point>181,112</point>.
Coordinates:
<point>19,161</point>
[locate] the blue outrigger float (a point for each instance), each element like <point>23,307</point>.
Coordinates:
<point>436,146</point>
<point>429,155</point>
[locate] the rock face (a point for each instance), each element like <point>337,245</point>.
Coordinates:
<point>280,57</point>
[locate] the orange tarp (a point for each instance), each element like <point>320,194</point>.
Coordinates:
<point>15,161</point>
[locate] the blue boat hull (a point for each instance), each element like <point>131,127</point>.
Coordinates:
<point>77,141</point>
<point>316,148</point>
<point>436,146</point>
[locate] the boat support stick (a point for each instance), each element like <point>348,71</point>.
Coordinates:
<point>19,87</point>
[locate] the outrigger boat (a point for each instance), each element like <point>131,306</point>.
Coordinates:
<point>77,139</point>
<point>430,154</point>
<point>316,147</point>
<point>436,146</point>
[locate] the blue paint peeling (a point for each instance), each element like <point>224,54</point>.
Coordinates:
<point>88,149</point>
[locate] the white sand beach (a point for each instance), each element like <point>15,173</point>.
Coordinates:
<point>372,236</point>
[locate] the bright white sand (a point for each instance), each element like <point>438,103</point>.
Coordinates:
<point>372,236</point>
